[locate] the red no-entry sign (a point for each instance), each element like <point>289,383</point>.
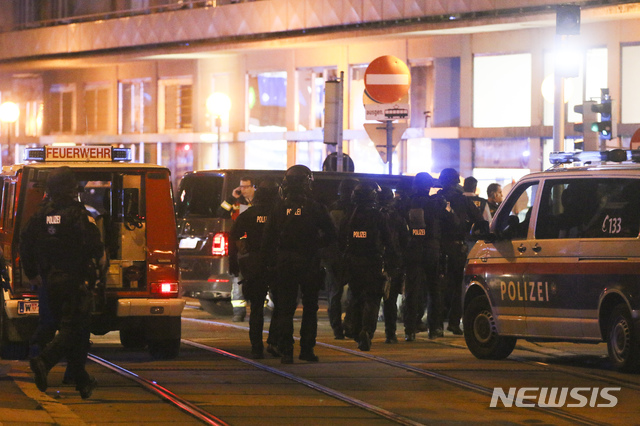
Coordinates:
<point>387,79</point>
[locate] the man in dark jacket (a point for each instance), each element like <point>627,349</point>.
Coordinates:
<point>425,218</point>
<point>454,245</point>
<point>364,237</point>
<point>57,247</point>
<point>245,242</point>
<point>297,229</point>
<point>400,236</point>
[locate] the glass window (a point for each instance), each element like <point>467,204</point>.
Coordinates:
<point>175,108</point>
<point>630,107</point>
<point>514,217</point>
<point>136,108</point>
<point>502,90</point>
<point>199,196</point>
<point>63,108</point>
<point>267,99</point>
<point>589,208</point>
<point>311,83</point>
<point>96,108</point>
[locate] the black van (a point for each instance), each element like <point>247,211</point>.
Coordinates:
<point>203,230</point>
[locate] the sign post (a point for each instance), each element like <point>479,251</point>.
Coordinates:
<point>386,81</point>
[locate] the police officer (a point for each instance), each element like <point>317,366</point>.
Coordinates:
<point>245,258</point>
<point>454,246</point>
<point>363,239</point>
<point>333,264</point>
<point>297,229</point>
<point>400,236</point>
<point>425,218</point>
<point>57,247</point>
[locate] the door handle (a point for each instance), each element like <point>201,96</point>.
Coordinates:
<point>522,248</point>
<point>536,248</point>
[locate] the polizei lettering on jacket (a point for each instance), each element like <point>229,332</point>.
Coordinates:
<point>296,212</point>
<point>53,220</point>
<point>532,291</point>
<point>359,234</point>
<point>261,219</point>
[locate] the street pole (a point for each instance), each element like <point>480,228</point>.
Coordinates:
<point>218,125</point>
<point>389,127</point>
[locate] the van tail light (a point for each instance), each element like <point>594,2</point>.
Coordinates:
<point>164,289</point>
<point>220,246</point>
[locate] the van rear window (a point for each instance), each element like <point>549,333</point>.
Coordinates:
<point>199,196</point>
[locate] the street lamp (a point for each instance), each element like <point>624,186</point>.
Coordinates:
<point>9,113</point>
<point>218,104</point>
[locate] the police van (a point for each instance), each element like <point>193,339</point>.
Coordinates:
<point>203,227</point>
<point>561,261</point>
<point>132,205</point>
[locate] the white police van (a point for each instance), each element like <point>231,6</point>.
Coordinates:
<point>561,261</point>
<point>133,207</point>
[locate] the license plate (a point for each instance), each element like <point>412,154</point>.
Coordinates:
<point>188,243</point>
<point>26,308</point>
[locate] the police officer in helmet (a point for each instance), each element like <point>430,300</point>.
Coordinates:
<point>454,244</point>
<point>297,229</point>
<point>364,239</point>
<point>59,247</point>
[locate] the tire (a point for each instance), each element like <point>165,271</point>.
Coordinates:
<point>622,340</point>
<point>217,308</point>
<point>480,332</point>
<point>164,349</point>
<point>133,337</point>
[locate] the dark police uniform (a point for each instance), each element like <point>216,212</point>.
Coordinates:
<point>245,258</point>
<point>454,243</point>
<point>399,231</point>
<point>333,262</point>
<point>425,217</point>
<point>363,238</point>
<point>57,245</point>
<point>297,228</point>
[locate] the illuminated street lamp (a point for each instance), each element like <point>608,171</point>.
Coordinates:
<point>9,113</point>
<point>218,104</point>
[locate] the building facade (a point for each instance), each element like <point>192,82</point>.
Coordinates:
<point>139,73</point>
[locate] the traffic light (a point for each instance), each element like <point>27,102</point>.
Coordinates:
<point>603,126</point>
<point>590,139</point>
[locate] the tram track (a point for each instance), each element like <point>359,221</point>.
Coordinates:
<point>152,384</point>
<point>467,385</point>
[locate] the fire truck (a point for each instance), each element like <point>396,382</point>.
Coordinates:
<point>133,207</point>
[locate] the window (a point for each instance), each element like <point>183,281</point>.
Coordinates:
<point>513,220</point>
<point>589,208</point>
<point>630,108</point>
<point>63,98</point>
<point>267,100</point>
<point>96,107</point>
<point>502,90</point>
<point>135,106</point>
<point>175,108</point>
<point>311,82</point>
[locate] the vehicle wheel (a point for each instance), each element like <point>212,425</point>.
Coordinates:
<point>217,308</point>
<point>480,332</point>
<point>622,340</point>
<point>133,337</point>
<point>164,349</point>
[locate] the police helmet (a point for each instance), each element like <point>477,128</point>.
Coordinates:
<point>266,192</point>
<point>449,177</point>
<point>297,178</point>
<point>62,182</point>
<point>365,192</point>
<point>423,181</point>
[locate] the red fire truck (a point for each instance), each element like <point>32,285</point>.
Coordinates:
<point>133,208</point>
